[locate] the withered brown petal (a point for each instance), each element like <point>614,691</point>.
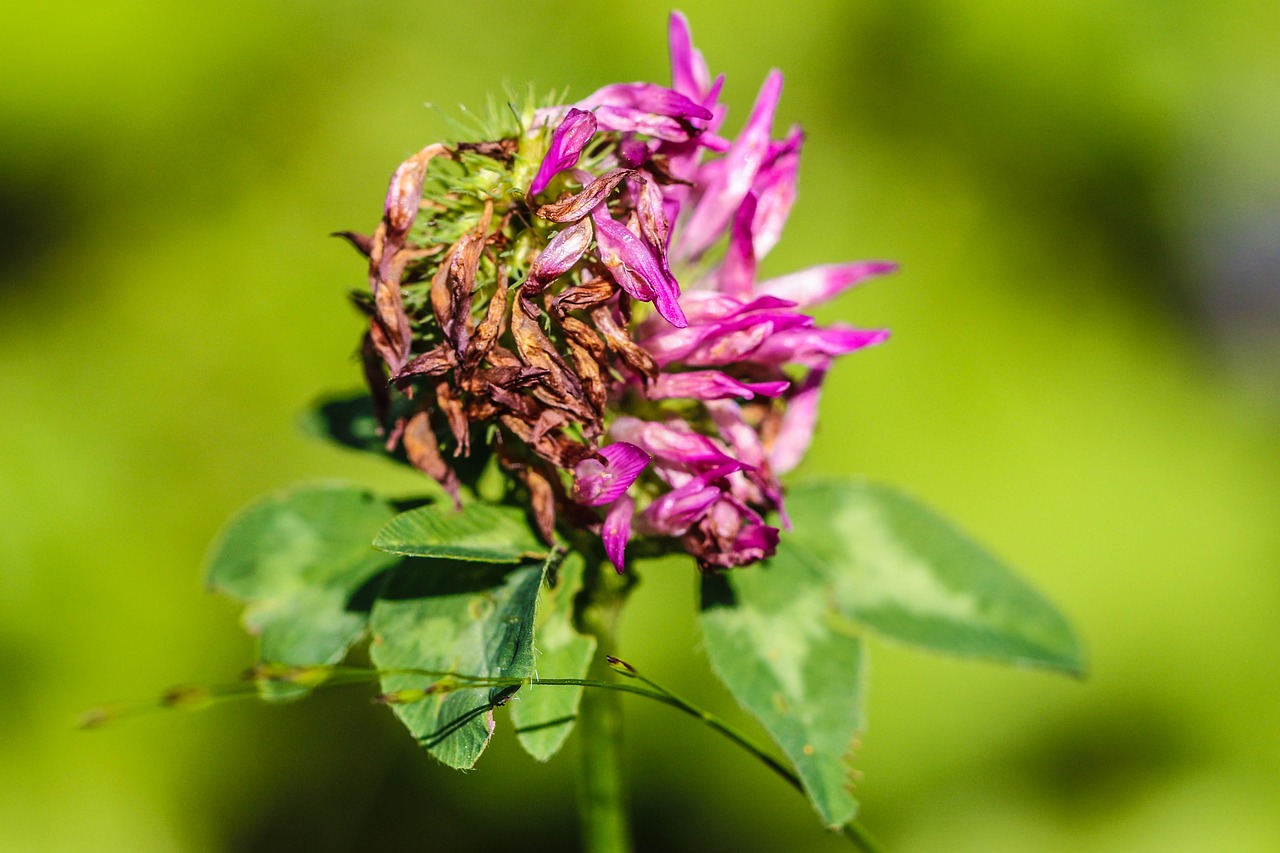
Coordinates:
<point>376,379</point>
<point>553,447</point>
<point>502,149</point>
<point>479,409</point>
<point>393,335</point>
<point>577,206</point>
<point>404,194</point>
<point>363,243</point>
<point>535,350</point>
<point>458,425</point>
<point>620,342</point>
<point>435,362</point>
<point>548,419</point>
<point>583,335</point>
<point>500,356</point>
<point>587,295</point>
<point>462,280</point>
<point>441,298</point>
<point>518,404</point>
<point>576,405</point>
<point>513,376</point>
<point>423,450</point>
<point>543,500</point>
<point>491,326</point>
<point>588,367</point>
<point>652,217</point>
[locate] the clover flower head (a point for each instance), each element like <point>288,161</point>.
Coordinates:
<point>578,299</point>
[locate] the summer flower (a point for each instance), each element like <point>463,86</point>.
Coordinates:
<point>579,297</point>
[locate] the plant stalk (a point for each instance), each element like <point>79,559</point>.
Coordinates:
<point>602,797</point>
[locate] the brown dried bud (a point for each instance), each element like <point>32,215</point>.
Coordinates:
<point>404,194</point>
<point>363,243</point>
<point>620,342</point>
<point>491,326</point>
<point>543,500</point>
<point>458,425</point>
<point>423,450</point>
<point>435,362</point>
<point>577,206</point>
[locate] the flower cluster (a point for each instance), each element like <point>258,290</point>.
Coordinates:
<point>579,297</point>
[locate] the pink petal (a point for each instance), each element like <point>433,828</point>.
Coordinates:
<point>720,200</point>
<point>649,98</point>
<point>635,268</point>
<point>566,146</point>
<point>632,120</point>
<point>775,189</point>
<point>617,530</point>
<point>711,385</point>
<point>818,284</point>
<point>738,270</point>
<point>672,513</point>
<point>604,478</point>
<point>673,444</point>
<point>794,436</point>
<point>752,337</point>
<point>816,347</point>
<point>689,74</point>
<point>564,250</point>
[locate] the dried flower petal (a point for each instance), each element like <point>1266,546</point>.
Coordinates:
<point>706,398</point>
<point>577,206</point>
<point>423,449</point>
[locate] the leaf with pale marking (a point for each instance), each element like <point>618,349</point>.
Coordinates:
<point>470,618</point>
<point>784,634</point>
<point>900,569</point>
<point>775,643</point>
<point>302,561</point>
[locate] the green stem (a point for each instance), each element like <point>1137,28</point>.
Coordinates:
<point>853,830</point>
<point>602,799</point>
<point>857,833</point>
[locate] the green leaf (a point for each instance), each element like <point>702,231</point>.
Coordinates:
<point>302,561</point>
<point>774,641</point>
<point>482,532</point>
<point>452,616</point>
<point>784,634</point>
<point>544,715</point>
<point>898,568</point>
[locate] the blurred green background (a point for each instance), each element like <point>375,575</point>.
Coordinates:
<point>1084,197</point>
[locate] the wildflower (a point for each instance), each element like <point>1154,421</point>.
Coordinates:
<point>579,297</point>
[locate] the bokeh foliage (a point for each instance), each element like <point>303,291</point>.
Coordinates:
<point>1080,195</point>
